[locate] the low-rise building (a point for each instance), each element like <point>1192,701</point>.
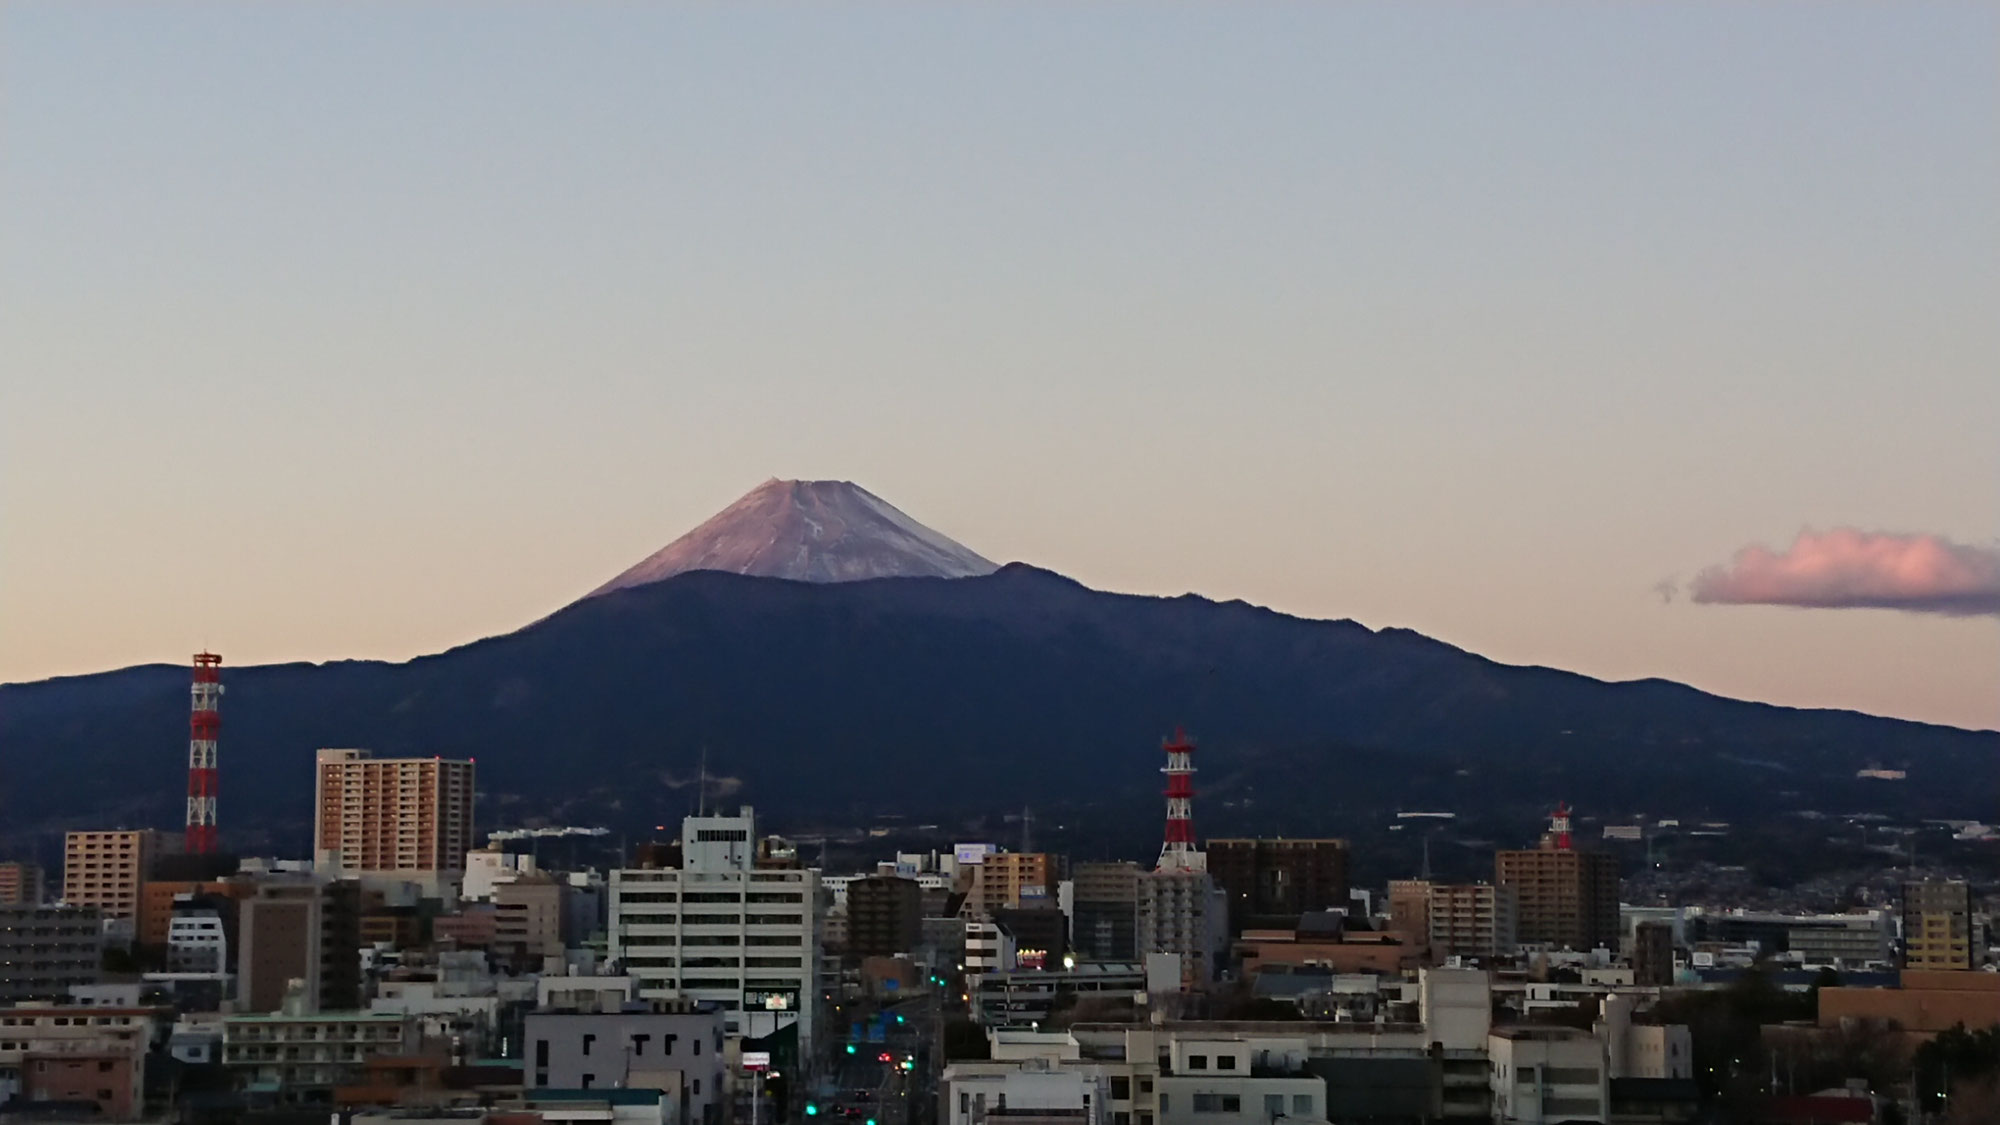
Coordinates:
<point>47,950</point>
<point>1546,1074</point>
<point>300,1054</point>
<point>676,1050</point>
<point>68,1053</point>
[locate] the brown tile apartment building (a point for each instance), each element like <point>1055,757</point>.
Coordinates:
<point>1563,898</point>
<point>404,816</point>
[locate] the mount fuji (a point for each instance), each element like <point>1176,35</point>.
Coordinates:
<point>808,531</point>
<point>839,660</point>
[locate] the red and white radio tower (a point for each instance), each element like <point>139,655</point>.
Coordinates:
<point>204,721</point>
<point>1559,826</point>
<point>1178,852</point>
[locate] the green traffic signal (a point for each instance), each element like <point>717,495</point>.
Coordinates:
<point>850,1048</point>
<point>899,1017</point>
<point>812,1110</point>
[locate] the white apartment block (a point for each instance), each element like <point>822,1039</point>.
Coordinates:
<point>1543,1075</point>
<point>722,929</point>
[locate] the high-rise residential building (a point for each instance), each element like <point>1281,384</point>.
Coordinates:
<point>308,931</point>
<point>1938,930</point>
<point>108,870</point>
<point>1003,880</point>
<point>20,883</point>
<point>1182,911</point>
<point>1278,879</point>
<point>410,818</point>
<point>1653,954</point>
<point>1471,920</point>
<point>1104,907</point>
<point>885,916</point>
<point>1564,898</point>
<point>721,928</point>
<point>1410,909</point>
<point>46,949</point>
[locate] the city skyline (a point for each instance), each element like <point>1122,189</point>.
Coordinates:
<point>366,338</point>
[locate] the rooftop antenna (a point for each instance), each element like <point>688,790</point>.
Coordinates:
<point>701,786</point>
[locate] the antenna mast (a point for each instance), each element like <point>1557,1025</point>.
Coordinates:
<point>1177,852</point>
<point>204,722</point>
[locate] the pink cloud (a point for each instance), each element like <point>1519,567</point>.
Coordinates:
<point>1845,568</point>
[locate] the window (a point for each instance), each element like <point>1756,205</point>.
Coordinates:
<point>1121,1089</point>
<point>1163,1104</point>
<point>639,1045</point>
<point>1524,1074</point>
<point>588,1039</point>
<point>1145,1086</point>
<point>587,1080</point>
<point>667,1044</point>
<point>964,1103</point>
<point>1197,1062</point>
<point>1302,1105</point>
<point>541,1052</point>
<point>697,1087</point>
<point>1225,1062</point>
<point>697,1049</point>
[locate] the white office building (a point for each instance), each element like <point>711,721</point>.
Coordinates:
<point>723,929</point>
<point>196,942</point>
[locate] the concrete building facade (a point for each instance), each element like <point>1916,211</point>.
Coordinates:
<point>108,870</point>
<point>306,931</point>
<point>1269,879</point>
<point>676,1052</point>
<point>1564,898</point>
<point>885,916</point>
<point>20,883</point>
<point>405,817</point>
<point>723,930</point>
<point>1104,904</point>
<point>1938,926</point>
<point>47,950</point>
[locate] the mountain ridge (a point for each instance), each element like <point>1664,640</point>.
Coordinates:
<point>942,697</point>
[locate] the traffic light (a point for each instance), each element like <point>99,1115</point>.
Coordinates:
<point>850,1048</point>
<point>900,1019</point>
<point>812,1109</point>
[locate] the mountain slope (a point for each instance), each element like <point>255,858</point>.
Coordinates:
<point>808,531</point>
<point>935,697</point>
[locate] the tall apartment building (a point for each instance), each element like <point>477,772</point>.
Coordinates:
<point>1274,879</point>
<point>1184,912</point>
<point>1653,954</point>
<point>108,870</point>
<point>722,929</point>
<point>20,883</point>
<point>46,949</point>
<point>1455,919</point>
<point>1565,898</point>
<point>1104,909</point>
<point>307,931</point>
<point>1003,880</point>
<point>885,916</point>
<point>1938,930</point>
<point>1410,909</point>
<point>410,818</point>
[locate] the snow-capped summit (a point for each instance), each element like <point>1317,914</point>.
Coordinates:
<point>809,531</point>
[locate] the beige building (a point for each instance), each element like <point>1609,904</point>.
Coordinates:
<point>408,817</point>
<point>527,919</point>
<point>1005,880</point>
<point>107,870</point>
<point>1937,926</point>
<point>1471,920</point>
<point>20,884</point>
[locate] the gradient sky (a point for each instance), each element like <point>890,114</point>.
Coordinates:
<point>364,330</point>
